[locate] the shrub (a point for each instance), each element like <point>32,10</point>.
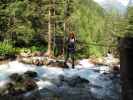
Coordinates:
<point>38,48</point>
<point>6,49</point>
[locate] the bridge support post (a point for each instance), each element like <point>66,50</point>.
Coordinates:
<point>126,65</point>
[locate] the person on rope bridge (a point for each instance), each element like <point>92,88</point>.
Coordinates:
<point>70,50</point>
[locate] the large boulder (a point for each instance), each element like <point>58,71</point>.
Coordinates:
<point>30,74</point>
<point>16,77</point>
<point>74,80</point>
<point>38,62</point>
<point>10,89</point>
<point>30,85</point>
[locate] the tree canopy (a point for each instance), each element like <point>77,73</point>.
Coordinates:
<point>31,22</point>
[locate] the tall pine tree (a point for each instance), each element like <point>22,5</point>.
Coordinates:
<point>129,29</point>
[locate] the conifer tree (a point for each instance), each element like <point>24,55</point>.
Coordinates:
<point>129,29</point>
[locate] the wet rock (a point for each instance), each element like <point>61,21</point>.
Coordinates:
<point>16,77</point>
<point>108,76</point>
<point>10,97</point>
<point>10,89</point>
<point>66,65</point>
<point>49,63</point>
<point>56,81</point>
<point>30,85</point>
<point>25,60</point>
<point>13,57</point>
<point>30,74</point>
<point>13,90</point>
<point>116,69</point>
<point>59,64</point>
<point>39,54</point>
<point>106,87</point>
<point>38,62</point>
<point>32,95</point>
<point>74,80</point>
<point>19,91</point>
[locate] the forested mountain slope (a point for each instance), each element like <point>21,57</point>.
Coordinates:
<point>117,6</point>
<point>93,25</point>
<point>26,23</point>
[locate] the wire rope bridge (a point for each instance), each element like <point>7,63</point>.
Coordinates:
<point>59,45</point>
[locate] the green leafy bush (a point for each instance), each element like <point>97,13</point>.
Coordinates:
<point>37,48</point>
<point>6,49</point>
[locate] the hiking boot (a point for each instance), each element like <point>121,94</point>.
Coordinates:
<point>73,66</point>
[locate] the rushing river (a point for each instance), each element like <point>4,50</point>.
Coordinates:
<point>102,86</point>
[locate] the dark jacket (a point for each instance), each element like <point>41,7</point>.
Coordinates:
<point>71,45</point>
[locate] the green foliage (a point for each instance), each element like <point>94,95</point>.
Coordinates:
<point>6,49</point>
<point>89,23</point>
<point>28,19</point>
<point>24,34</point>
<point>16,21</point>
<point>30,49</point>
<point>40,48</point>
<point>98,51</point>
<point>129,28</point>
<point>115,24</point>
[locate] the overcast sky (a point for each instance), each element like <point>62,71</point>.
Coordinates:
<point>124,2</point>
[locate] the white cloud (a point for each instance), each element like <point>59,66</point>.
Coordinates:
<point>124,2</point>
<point>99,1</point>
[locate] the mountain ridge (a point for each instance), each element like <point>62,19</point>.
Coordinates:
<point>113,5</point>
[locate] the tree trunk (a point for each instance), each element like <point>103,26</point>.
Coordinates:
<point>49,51</point>
<point>126,63</point>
